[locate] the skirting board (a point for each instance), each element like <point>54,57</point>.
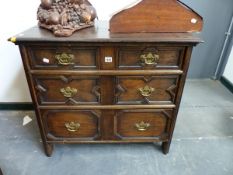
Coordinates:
<point>16,106</point>
<point>227,83</point>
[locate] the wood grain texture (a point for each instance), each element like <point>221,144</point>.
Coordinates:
<point>126,120</point>
<point>129,58</point>
<point>100,34</point>
<point>115,141</point>
<point>110,107</point>
<point>185,66</point>
<point>108,116</point>
<point>55,120</point>
<point>48,147</point>
<point>107,72</point>
<point>107,92</point>
<point>44,57</point>
<point>48,90</point>
<point>156,16</point>
<point>164,89</point>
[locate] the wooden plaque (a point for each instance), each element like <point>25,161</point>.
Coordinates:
<point>156,16</point>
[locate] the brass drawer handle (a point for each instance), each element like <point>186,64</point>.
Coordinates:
<point>150,58</point>
<point>68,92</point>
<point>65,59</point>
<point>146,91</point>
<point>142,126</point>
<point>72,126</point>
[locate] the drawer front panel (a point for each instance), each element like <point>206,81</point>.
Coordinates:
<point>146,89</point>
<point>71,124</point>
<point>70,90</point>
<point>63,58</point>
<point>155,57</point>
<point>133,124</point>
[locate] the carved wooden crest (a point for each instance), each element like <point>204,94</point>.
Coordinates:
<point>64,17</point>
<point>156,16</point>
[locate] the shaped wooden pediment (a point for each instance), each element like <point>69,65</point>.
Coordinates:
<point>156,16</point>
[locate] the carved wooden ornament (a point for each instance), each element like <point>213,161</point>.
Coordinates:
<point>64,17</point>
<point>156,16</point>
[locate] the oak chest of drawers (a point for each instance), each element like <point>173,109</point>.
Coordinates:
<point>97,87</point>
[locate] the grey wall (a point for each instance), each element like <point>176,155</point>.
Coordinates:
<point>217,15</point>
<point>227,54</point>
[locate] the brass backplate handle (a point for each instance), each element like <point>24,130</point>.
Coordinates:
<point>72,126</point>
<point>149,58</point>
<point>146,91</point>
<point>69,92</point>
<point>142,126</point>
<point>65,59</point>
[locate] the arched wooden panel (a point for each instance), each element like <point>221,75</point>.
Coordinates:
<point>156,16</point>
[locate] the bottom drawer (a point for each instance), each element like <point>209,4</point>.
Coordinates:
<point>142,124</point>
<point>71,124</point>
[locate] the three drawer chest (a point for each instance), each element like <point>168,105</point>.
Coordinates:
<point>99,87</point>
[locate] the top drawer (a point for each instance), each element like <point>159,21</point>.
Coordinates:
<point>150,57</point>
<point>52,57</point>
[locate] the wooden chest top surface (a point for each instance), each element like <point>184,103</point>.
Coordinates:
<point>100,33</point>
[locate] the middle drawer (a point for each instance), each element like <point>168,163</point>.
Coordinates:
<point>65,90</point>
<point>85,90</point>
<point>146,89</point>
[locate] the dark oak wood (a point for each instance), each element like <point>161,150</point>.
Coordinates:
<point>104,97</point>
<point>126,122</point>
<point>48,90</point>
<point>99,34</point>
<point>55,120</point>
<point>154,139</point>
<point>169,57</point>
<point>44,57</point>
<point>111,107</point>
<point>48,147</point>
<point>128,89</point>
<point>166,145</point>
<point>108,72</point>
<point>156,16</point>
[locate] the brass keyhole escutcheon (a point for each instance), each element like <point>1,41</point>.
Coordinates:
<point>72,126</point>
<point>149,58</point>
<point>142,126</point>
<point>146,91</point>
<point>69,92</point>
<point>65,59</point>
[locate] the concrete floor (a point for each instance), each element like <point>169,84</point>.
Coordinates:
<point>202,144</point>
